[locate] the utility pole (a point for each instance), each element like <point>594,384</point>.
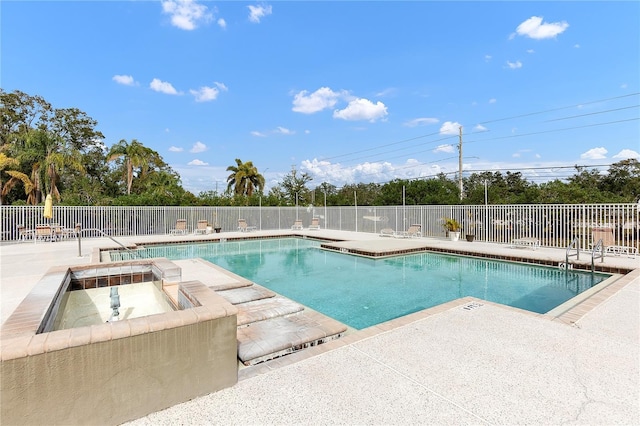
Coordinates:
<point>460,164</point>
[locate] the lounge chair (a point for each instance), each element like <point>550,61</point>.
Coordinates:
<point>528,242</point>
<point>244,227</point>
<point>297,225</point>
<point>202,227</point>
<point>414,231</point>
<point>609,243</point>
<point>25,234</point>
<point>181,227</point>
<point>387,232</point>
<point>44,233</point>
<point>61,233</point>
<point>315,224</point>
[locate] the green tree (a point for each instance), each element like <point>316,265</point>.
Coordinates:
<point>244,179</point>
<point>135,158</point>
<point>49,157</point>
<point>48,143</point>
<point>623,180</point>
<point>21,113</point>
<point>8,166</point>
<point>364,193</point>
<point>294,187</point>
<point>328,190</point>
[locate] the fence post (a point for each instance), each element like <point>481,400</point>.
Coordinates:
<point>79,235</point>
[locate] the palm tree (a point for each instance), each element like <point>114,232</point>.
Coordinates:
<point>244,178</point>
<point>7,165</point>
<point>135,155</point>
<point>48,155</point>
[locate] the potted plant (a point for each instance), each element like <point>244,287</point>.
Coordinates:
<point>452,226</point>
<point>217,228</point>
<point>470,234</point>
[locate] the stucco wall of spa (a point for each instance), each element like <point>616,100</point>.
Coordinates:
<point>115,381</point>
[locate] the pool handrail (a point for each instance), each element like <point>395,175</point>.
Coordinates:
<point>575,243</point>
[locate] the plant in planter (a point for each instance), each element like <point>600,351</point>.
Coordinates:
<point>470,233</point>
<point>452,226</point>
<point>216,227</point>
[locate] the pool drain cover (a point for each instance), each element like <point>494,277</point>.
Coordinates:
<point>471,306</point>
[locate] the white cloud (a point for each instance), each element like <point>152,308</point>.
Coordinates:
<point>205,93</point>
<point>514,65</point>
<point>197,162</point>
<point>531,51</point>
<point>424,121</point>
<point>480,128</point>
<point>577,46</point>
<point>493,100</point>
<point>198,147</point>
<point>256,13</point>
<point>338,174</point>
<point>323,98</point>
<point>258,134</point>
<point>516,155</point>
<point>386,92</point>
<point>126,80</point>
<point>623,86</point>
<point>362,109</point>
<point>325,171</point>
<point>536,29</point>
<point>163,87</point>
<point>487,58</point>
<point>450,128</point>
<point>594,154</point>
<point>444,148</point>
<point>284,131</point>
<point>627,153</point>
<point>186,14</point>
<point>222,23</point>
<point>176,149</point>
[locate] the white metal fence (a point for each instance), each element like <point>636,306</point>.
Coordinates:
<point>555,225</point>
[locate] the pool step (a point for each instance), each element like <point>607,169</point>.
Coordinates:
<point>246,294</point>
<point>264,309</point>
<point>273,338</point>
<point>271,326</point>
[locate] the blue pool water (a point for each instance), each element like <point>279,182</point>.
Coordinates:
<point>362,292</point>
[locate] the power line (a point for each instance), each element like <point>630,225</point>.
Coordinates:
<point>412,153</point>
<point>381,146</point>
<point>500,170</point>
<point>584,126</point>
<point>593,113</point>
<point>559,109</point>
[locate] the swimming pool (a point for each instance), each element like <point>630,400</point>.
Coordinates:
<point>362,292</point>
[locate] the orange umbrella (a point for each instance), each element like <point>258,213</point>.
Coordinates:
<point>48,207</point>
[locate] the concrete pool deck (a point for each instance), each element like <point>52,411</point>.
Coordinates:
<point>464,362</point>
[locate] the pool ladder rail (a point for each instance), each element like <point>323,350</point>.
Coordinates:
<point>575,244</point>
<point>133,254</point>
<point>596,253</point>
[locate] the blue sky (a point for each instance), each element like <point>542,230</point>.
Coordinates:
<point>348,92</point>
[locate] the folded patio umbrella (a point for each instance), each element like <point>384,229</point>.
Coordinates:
<point>48,207</point>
